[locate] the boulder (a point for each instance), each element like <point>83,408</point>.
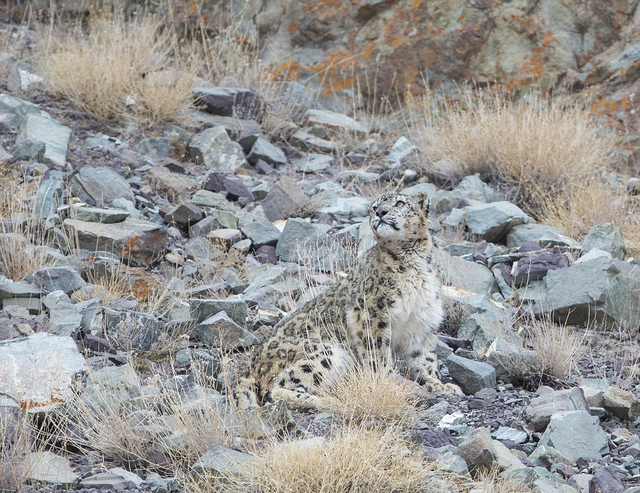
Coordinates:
<point>621,403</point>
<point>471,375</point>
<point>308,244</point>
<point>216,151</point>
<point>229,101</point>
<point>134,240</point>
<point>261,233</point>
<point>543,235</point>
<point>265,150</point>
<point>540,409</point>
<point>235,308</point>
<point>327,124</point>
<point>492,222</point>
<point>284,200</point>
<point>37,371</point>
<point>66,279</point>
<point>97,215</point>
<point>49,468</point>
<point>52,133</point>
<point>221,331</point>
<point>470,188</point>
<point>225,462</point>
<point>535,267</point>
<point>464,274</point>
<point>100,186</point>
<point>601,289</point>
<point>605,237</point>
<point>576,434</point>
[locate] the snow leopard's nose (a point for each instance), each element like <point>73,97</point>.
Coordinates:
<point>382,211</point>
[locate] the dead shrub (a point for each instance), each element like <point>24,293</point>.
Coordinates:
<point>116,69</point>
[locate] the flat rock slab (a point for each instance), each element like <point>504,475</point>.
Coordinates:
<point>229,101</point>
<point>576,434</point>
<point>97,215</point>
<point>134,240</point>
<point>540,409</point>
<point>47,467</point>
<point>600,289</point>
<point>216,151</point>
<point>225,461</point>
<point>53,133</point>
<point>38,370</point>
<point>325,124</point>
<point>492,222</point>
<point>100,186</point>
<point>472,376</point>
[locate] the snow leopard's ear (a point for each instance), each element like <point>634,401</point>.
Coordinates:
<point>422,200</point>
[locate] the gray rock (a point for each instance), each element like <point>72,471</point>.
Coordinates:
<point>621,403</point>
<point>605,237</point>
<point>453,463</point>
<point>63,314</point>
<point>203,227</point>
<point>226,219</point>
<point>400,149</point>
<point>481,330</point>
<point>221,331</point>
<point>308,142</point>
<point>594,290</point>
<point>185,215</point>
<point>307,244</point>
<point>492,222</point>
<point>53,133</point>
<point>478,451</point>
<point>134,330</point>
<point>327,124</point>
<point>314,163</point>
<point>23,294</point>
<point>100,186</point>
<point>607,480</point>
<point>105,480</point>
<point>464,274</point>
<point>265,150</point>
<point>545,236</point>
<point>135,241</point>
<point>97,215</point>
<point>357,176</point>
<point>4,155</point>
<point>51,279</point>
<point>427,188</point>
<point>284,200</point>
<point>229,101</point>
<point>22,80</point>
<point>236,308</point>
<point>225,236</point>
<point>225,462</point>
<point>216,151</point>
<point>261,233</point>
<point>470,188</point>
<point>540,409</point>
<point>576,434</point>
<point>38,370</point>
<point>535,267</point>
<point>347,208</point>
<point>29,150</point>
<point>471,375</point>
<point>19,110</point>
<point>49,468</point>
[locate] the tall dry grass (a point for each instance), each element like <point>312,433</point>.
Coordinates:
<point>353,459</point>
<point>115,68</point>
<point>532,142</point>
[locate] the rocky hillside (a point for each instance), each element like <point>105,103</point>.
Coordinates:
<point>141,264</point>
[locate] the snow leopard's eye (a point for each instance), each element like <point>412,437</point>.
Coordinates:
<point>400,203</point>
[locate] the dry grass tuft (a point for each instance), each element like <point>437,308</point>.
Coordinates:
<point>118,69</point>
<point>19,231</point>
<point>16,443</point>
<point>149,425</point>
<point>591,202</point>
<point>354,459</point>
<point>532,143</point>
<point>370,396</point>
<point>557,350</point>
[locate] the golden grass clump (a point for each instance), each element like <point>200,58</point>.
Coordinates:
<point>117,69</point>
<point>534,143</point>
<point>354,459</point>
<point>370,396</point>
<point>591,202</point>
<point>558,348</point>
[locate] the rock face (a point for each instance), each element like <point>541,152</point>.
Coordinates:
<point>38,370</point>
